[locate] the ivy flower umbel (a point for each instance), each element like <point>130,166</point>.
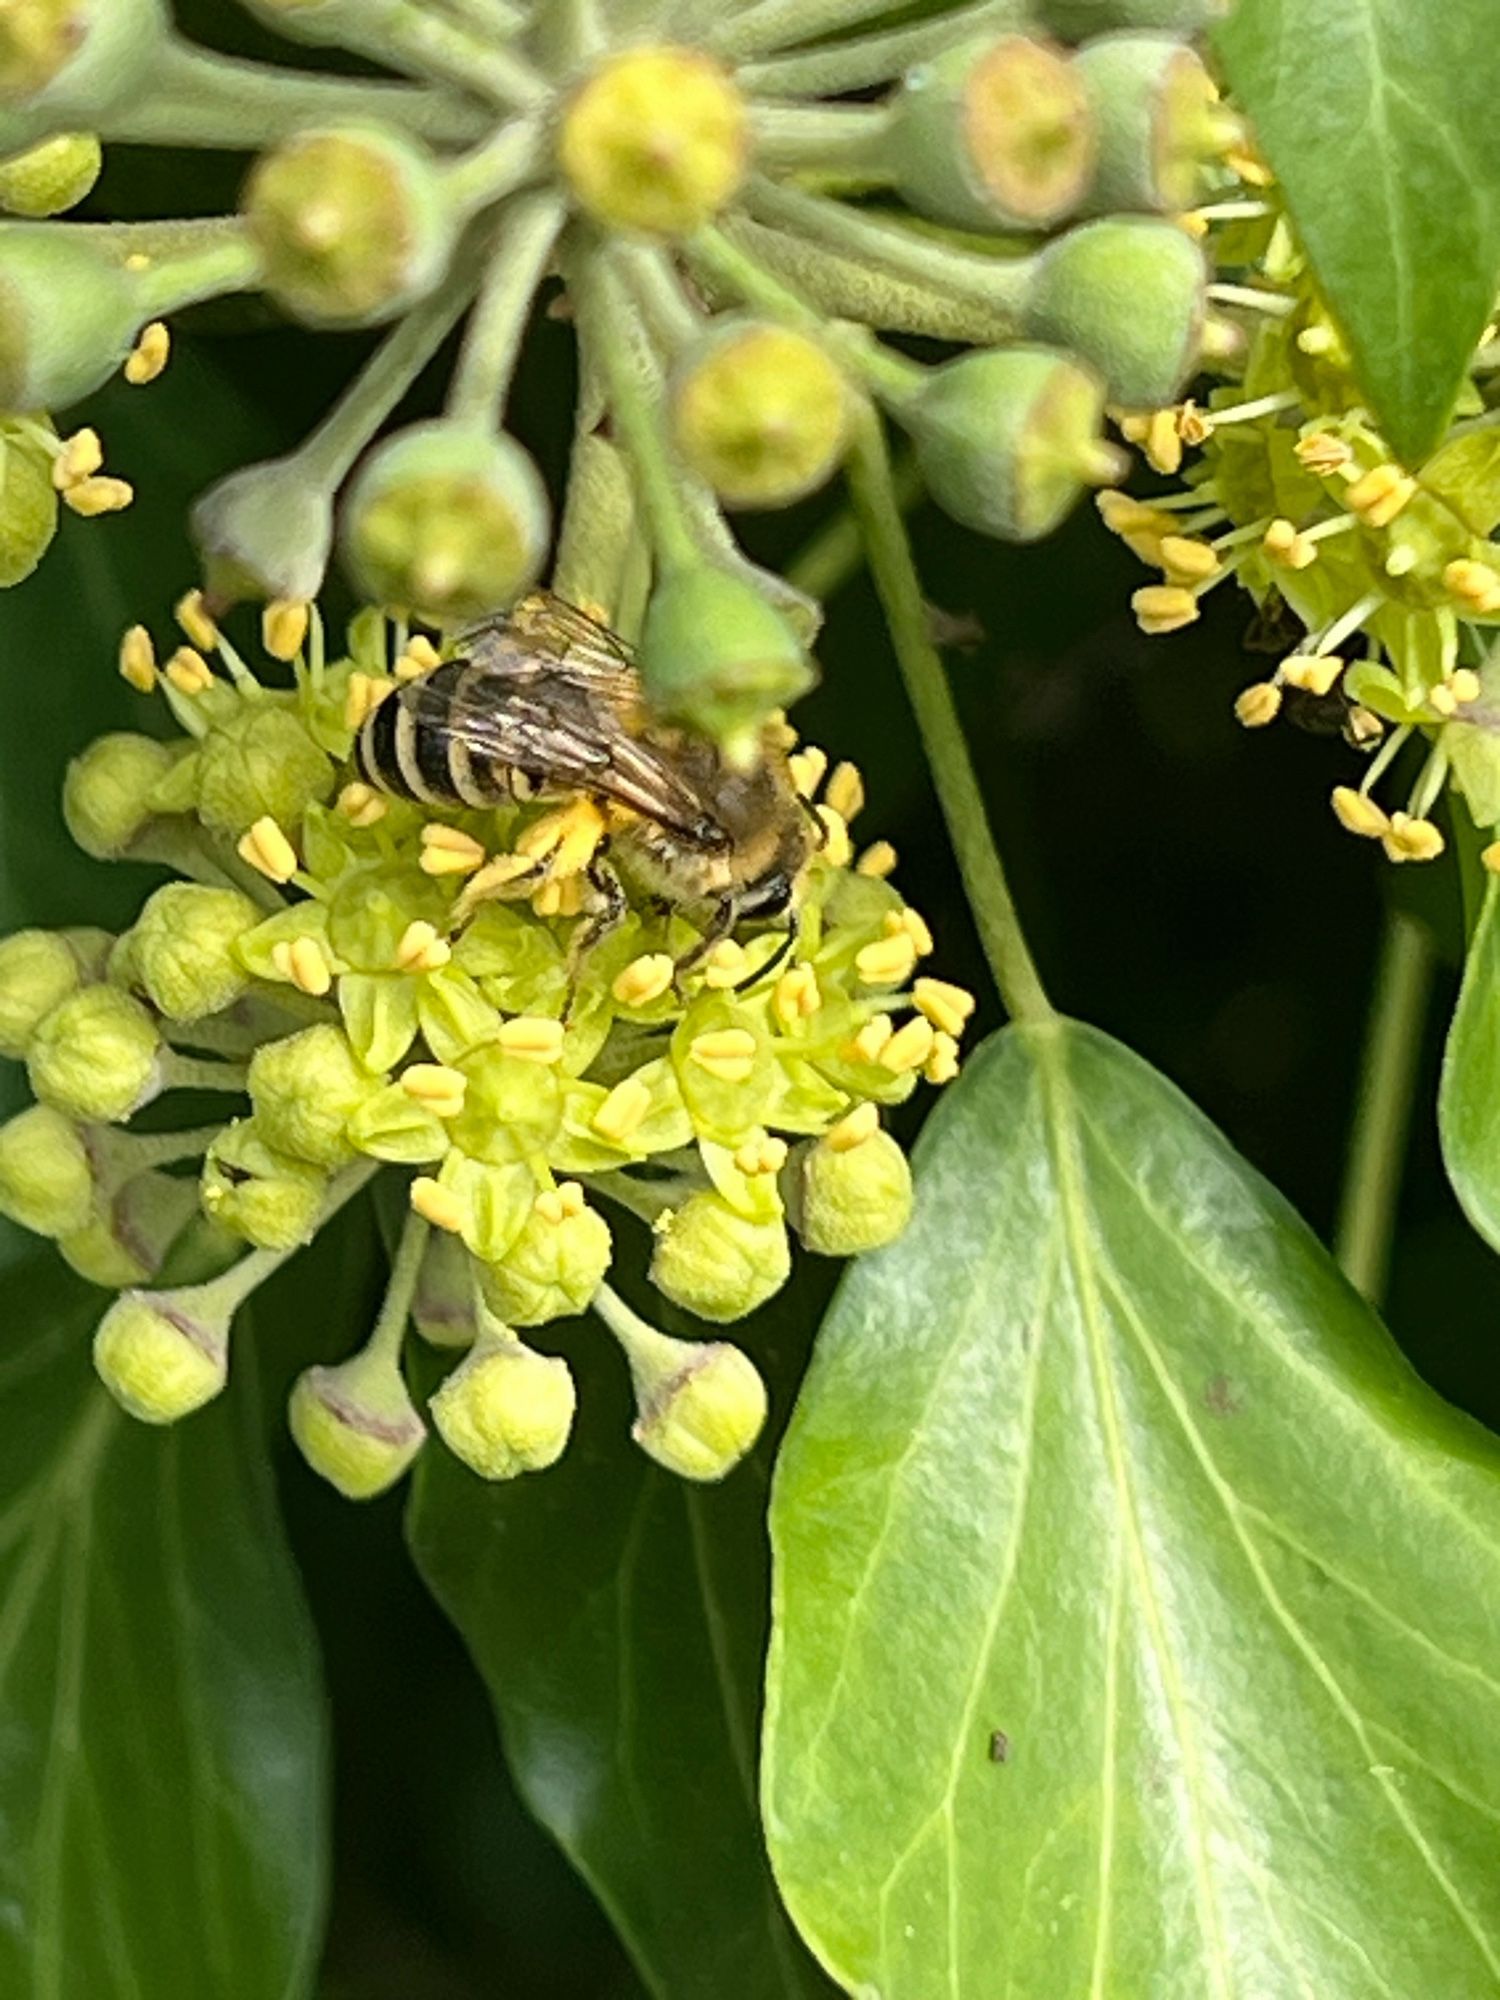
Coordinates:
<point>369,986</point>
<point>738,201</point>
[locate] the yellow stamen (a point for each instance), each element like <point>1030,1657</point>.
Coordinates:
<point>92,497</point>
<point>915,926</point>
<point>888,961</point>
<point>1440,700</point>
<point>448,850</point>
<point>570,837</point>
<point>948,1007</point>
<point>303,961</point>
<point>838,850</point>
<point>189,672</point>
<point>1257,704</point>
<point>571,1195</point>
<point>1359,814</point>
<point>138,659</point>
<point>807,767</point>
<point>1464,685</point>
<point>645,979</point>
<point>266,848</point>
<point>437,1204</point>
<point>436,1087</point>
<point>419,659</point>
<point>845,792</point>
<point>872,1038</point>
<point>942,1065</point>
<point>726,1053</point>
<point>1412,839</point>
<point>1362,726</point>
<point>362,696</point>
<point>1321,453</point>
<point>550,1206</point>
<point>764,1155</point>
<point>1490,856</point>
<point>81,456</point>
<point>361,804</point>
<point>877,861</point>
<point>1187,559</point>
<point>909,1047</point>
<point>283,627</point>
<point>1314,673</point>
<point>1282,543</point>
<point>1163,607</point>
<point>150,354</point>
<point>420,949</point>
<point>495,876</point>
<point>1379,495</point>
<point>796,995</point>
<point>727,964</point>
<point>192,615</point>
<point>559,898</point>
<point>852,1130</point>
<point>1475,584</point>
<point>623,1111</point>
<point>532,1037</point>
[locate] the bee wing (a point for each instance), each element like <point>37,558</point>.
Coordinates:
<point>542,634</point>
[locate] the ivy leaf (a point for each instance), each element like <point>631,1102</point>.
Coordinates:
<point>618,1617</point>
<point>1135,1625</point>
<point>1378,119</point>
<point>1469,1094</point>
<point>162,1750</point>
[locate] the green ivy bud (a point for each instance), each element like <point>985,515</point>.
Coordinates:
<point>760,411</point>
<point>183,953</point>
<point>352,225</point>
<point>717,658</point>
<point>162,1355</point>
<point>259,761</point>
<point>1080,20</point>
<point>77,56</point>
<point>992,134</point>
<point>107,791</point>
<point>849,1199</point>
<point>68,317</point>
<point>355,1424</point>
<point>46,1176</point>
<point>95,1056</point>
<point>1154,106</point>
<point>657,139</point>
<point>450,521</point>
<point>265,532</point>
<point>126,1241</point>
<point>717,1263</point>
<point>305,1089</point>
<point>1007,440</point>
<point>506,1409</point>
<point>553,1268</point>
<point>28,504</point>
<point>700,1405</point>
<point>443,1309</point>
<point>52,176</point>
<point>266,1197</point>
<point>1127,296</point>
<point>37,973</point>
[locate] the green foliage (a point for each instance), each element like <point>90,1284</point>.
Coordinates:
<point>1134,1600</point>
<point>1469,1099</point>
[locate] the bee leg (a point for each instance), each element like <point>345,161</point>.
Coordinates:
<point>777,959</point>
<point>726,915</point>
<point>608,917</point>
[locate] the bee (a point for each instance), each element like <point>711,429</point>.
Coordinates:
<point>545,702</point>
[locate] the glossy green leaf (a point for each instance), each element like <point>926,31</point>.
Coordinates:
<point>1378,117</point>
<point>618,1616</point>
<point>1469,1095</point>
<point>161,1750</point>
<point>1137,1610</point>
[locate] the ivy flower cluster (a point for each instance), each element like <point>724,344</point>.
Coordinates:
<point>377,985</point>
<point>1387,575</point>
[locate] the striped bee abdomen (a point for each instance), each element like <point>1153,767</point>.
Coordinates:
<point>411,744</point>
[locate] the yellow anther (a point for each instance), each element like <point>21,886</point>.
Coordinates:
<point>1126,516</point>
<point>283,627</point>
<point>761,1156</point>
<point>138,659</point>
<point>1187,559</point>
<point>362,696</point>
<point>1317,340</point>
<point>189,672</point>
<point>139,260</point>
<point>807,767</point>
<point>796,995</point>
<point>1474,584</point>
<point>1314,673</point>
<point>1440,700</point>
<point>888,961</point>
<point>266,848</point>
<point>192,615</point>
<point>1159,438</point>
<point>726,1053</point>
<point>448,850</point>
<point>150,354</point>
<point>845,792</point>
<point>942,1065</point>
<point>622,1112</point>
<point>1379,495</point>
<point>92,497</point>
<point>838,849</point>
<point>559,897</point>
<point>1363,726</point>
<point>436,1087</point>
<point>549,1206</point>
<point>645,979</point>
<point>361,804</point>
<point>872,1038</point>
<point>727,964</point>
<point>948,1007</point>
<point>81,456</point>
<point>1282,543</point>
<point>418,659</point>
<point>1194,426</point>
<point>532,1037</point>
<point>303,961</point>
<point>421,949</point>
<point>1490,856</point>
<point>570,1193</point>
<point>877,861</point>
<point>852,1130</point>
<point>1358,813</point>
<point>909,1047</point>
<point>437,1204</point>
<point>1193,223</point>
<point>1412,839</point>
<point>568,838</point>
<point>1163,607</point>
<point>1257,704</point>
<point>915,926</point>
<point>1464,685</point>
<point>491,880</point>
<point>1321,453</point>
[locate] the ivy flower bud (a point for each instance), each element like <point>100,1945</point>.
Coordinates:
<point>95,1056</point>
<point>846,1199</point>
<point>38,971</point>
<point>355,1424</point>
<point>126,1239</point>
<point>76,56</point>
<point>451,521</point>
<point>554,1267</point>
<point>992,134</point>
<point>1126,295</point>
<point>52,176</point>
<point>28,504</point>
<point>46,1179</point>
<point>352,225</point>
<point>182,949</point>
<point>305,1088</point>
<point>657,139</point>
<point>715,1262</point>
<point>255,1192</point>
<point>760,411</point>
<point>259,762</point>
<point>1153,104</point>
<point>716,657</point>
<point>1006,440</point>
<point>162,1355</point>
<point>701,1404</point>
<point>68,318</point>
<point>107,791</point>
<point>443,1307</point>
<point>265,532</point>
<point>505,1409</point>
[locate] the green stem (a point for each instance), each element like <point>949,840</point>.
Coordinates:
<point>670,314</point>
<point>867,59</point>
<point>412,35</point>
<point>836,553</point>
<point>232,1287</point>
<point>193,1073</point>
<point>395,1310</point>
<point>518,258</point>
<point>877,504</point>
<point>778,23</point>
<point>1382,1117</point>
<point>849,137</point>
<point>488,17</point>
<point>515,155</point>
<point>228,264</point>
